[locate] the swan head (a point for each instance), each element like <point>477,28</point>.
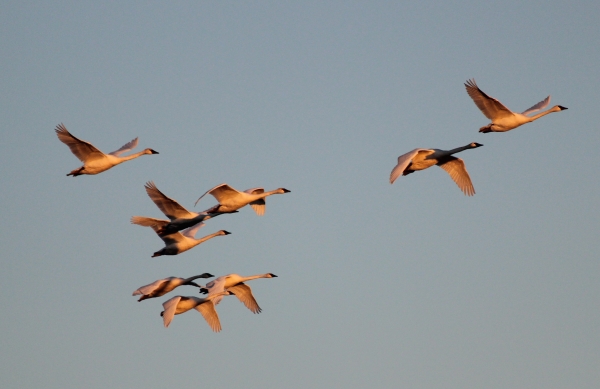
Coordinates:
<point>283,190</point>
<point>561,108</point>
<point>475,145</point>
<point>271,275</point>
<point>223,232</point>
<point>150,151</point>
<point>206,275</point>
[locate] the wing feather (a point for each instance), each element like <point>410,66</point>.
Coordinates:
<point>83,150</point>
<point>258,206</point>
<point>170,307</point>
<point>455,167</point>
<point>489,106</point>
<point>403,161</point>
<point>541,105</point>
<point>244,294</point>
<point>208,311</point>
<point>171,208</point>
<point>126,147</point>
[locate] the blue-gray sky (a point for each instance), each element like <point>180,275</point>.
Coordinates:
<point>408,285</point>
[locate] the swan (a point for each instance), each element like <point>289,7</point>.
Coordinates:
<point>231,199</point>
<point>176,242</point>
<point>161,287</point>
<point>503,119</point>
<point>180,217</point>
<point>180,304</point>
<point>94,160</point>
<point>235,283</point>
<point>420,159</point>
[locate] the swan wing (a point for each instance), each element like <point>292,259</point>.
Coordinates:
<point>541,105</point>
<point>171,208</point>
<point>222,193</point>
<point>255,191</point>
<point>83,150</point>
<point>191,232</point>
<point>147,289</point>
<point>126,147</point>
<point>489,106</point>
<point>403,162</point>
<point>170,307</point>
<point>244,294</point>
<point>148,222</point>
<point>208,311</point>
<point>216,287</point>
<point>258,206</point>
<point>455,167</point>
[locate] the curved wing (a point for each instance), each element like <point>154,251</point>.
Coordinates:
<point>148,222</point>
<point>455,167</point>
<point>403,162</point>
<point>541,105</point>
<point>191,232</point>
<point>147,289</point>
<point>170,307</point>
<point>244,294</point>
<point>208,311</point>
<point>255,191</point>
<point>221,192</point>
<point>171,208</point>
<point>83,150</point>
<point>489,106</point>
<point>126,147</point>
<point>259,206</point>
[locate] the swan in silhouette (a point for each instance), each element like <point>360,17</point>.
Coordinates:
<point>420,159</point>
<point>231,199</point>
<point>176,242</point>
<point>180,217</point>
<point>161,287</point>
<point>235,283</point>
<point>94,160</point>
<point>503,119</point>
<point>181,304</point>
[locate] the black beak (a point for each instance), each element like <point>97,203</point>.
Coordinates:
<point>285,190</point>
<point>153,151</point>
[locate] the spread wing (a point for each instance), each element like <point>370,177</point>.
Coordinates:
<point>216,287</point>
<point>170,307</point>
<point>255,191</point>
<point>83,150</point>
<point>208,311</point>
<point>541,105</point>
<point>258,206</point>
<point>489,106</point>
<point>403,161</point>
<point>126,147</point>
<point>221,192</point>
<point>171,208</point>
<point>191,232</point>
<point>244,294</point>
<point>149,222</point>
<point>455,167</point>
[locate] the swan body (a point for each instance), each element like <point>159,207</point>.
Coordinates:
<point>419,159</point>
<point>176,242</point>
<point>231,199</point>
<point>503,119</point>
<point>94,160</point>
<point>235,283</point>
<point>180,217</point>
<point>161,287</point>
<point>181,304</point>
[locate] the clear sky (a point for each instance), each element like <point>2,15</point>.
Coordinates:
<point>411,285</point>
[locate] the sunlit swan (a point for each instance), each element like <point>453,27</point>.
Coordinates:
<point>176,242</point>
<point>231,199</point>
<point>180,217</point>
<point>180,304</point>
<point>235,284</point>
<point>161,287</point>
<point>94,160</point>
<point>420,159</point>
<point>503,119</point>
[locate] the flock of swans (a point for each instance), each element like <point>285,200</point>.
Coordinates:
<point>178,232</point>
<point>503,119</point>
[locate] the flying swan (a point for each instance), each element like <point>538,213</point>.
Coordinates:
<point>503,119</point>
<point>235,283</point>
<point>231,199</point>
<point>420,159</point>
<point>181,304</point>
<point>161,287</point>
<point>94,160</point>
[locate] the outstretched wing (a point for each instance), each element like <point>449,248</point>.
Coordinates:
<point>171,208</point>
<point>208,311</point>
<point>489,106</point>
<point>126,147</point>
<point>170,307</point>
<point>244,294</point>
<point>259,206</point>
<point>403,161</point>
<point>541,105</point>
<point>191,232</point>
<point>221,192</point>
<point>455,167</point>
<point>147,289</point>
<point>83,150</point>
<point>149,222</point>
